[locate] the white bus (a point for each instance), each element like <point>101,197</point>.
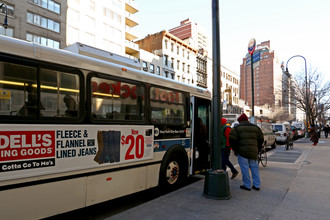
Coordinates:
<point>76,131</point>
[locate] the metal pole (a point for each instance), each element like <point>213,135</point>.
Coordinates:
<point>216,184</point>
<point>252,84</point>
<point>216,105</point>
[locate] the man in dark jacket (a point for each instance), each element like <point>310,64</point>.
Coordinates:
<point>246,140</point>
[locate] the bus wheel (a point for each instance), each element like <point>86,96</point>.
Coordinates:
<point>173,172</point>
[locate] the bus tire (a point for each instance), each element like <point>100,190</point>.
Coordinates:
<point>173,172</point>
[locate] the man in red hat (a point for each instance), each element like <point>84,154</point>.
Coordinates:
<point>246,140</point>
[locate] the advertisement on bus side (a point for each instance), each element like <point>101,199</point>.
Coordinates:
<point>33,150</point>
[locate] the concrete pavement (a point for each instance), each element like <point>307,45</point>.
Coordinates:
<point>298,188</point>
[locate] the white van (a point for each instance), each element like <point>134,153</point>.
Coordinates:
<point>283,132</point>
<point>300,125</point>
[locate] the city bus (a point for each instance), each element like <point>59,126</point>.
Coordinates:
<point>76,131</point>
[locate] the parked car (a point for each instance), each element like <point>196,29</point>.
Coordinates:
<point>295,132</point>
<point>300,126</point>
<point>283,132</point>
<point>269,134</point>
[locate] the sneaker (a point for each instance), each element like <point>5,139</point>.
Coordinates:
<point>245,188</point>
<point>234,175</point>
<point>255,188</point>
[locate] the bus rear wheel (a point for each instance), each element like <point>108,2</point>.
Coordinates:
<point>173,172</point>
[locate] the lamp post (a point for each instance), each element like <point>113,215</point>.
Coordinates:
<point>287,70</point>
<point>216,184</point>
<point>5,23</point>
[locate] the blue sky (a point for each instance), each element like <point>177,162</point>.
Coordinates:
<point>294,27</point>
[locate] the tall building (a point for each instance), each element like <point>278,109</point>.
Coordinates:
<point>108,25</point>
<point>178,58</point>
<point>42,22</point>
<point>267,78</point>
<point>195,36</point>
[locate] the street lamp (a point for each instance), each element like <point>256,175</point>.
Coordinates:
<point>5,23</point>
<point>287,70</point>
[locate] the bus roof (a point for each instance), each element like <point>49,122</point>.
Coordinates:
<point>62,57</point>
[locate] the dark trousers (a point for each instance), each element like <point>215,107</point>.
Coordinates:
<point>326,134</point>
<point>225,153</point>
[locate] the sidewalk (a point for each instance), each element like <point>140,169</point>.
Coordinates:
<point>299,190</point>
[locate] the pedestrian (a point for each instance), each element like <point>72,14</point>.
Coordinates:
<point>314,136</point>
<point>225,149</point>
<point>326,131</point>
<point>246,140</point>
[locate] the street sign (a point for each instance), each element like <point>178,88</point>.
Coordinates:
<point>252,46</point>
<point>256,58</point>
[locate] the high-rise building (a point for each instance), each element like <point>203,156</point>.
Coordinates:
<point>42,22</point>
<point>108,25</point>
<point>267,78</point>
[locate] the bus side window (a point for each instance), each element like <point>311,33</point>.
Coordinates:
<point>18,90</point>
<point>113,100</point>
<point>59,93</point>
<point>167,107</point>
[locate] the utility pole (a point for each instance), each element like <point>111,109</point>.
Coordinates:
<point>216,184</point>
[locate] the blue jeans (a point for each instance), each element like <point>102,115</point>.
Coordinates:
<point>245,165</point>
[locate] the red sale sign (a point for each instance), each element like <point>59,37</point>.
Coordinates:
<point>21,145</point>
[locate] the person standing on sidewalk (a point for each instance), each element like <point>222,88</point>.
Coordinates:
<point>314,136</point>
<point>246,140</point>
<point>326,131</point>
<point>225,149</point>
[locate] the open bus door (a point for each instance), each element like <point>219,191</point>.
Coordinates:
<point>200,150</point>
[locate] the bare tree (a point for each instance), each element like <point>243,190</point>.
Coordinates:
<point>318,93</point>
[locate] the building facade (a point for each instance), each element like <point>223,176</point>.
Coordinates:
<point>42,22</point>
<point>178,58</point>
<point>195,36</point>
<point>108,25</point>
<point>267,78</point>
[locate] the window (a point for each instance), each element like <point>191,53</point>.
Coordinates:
<point>43,41</point>
<point>172,62</point>
<point>48,4</point>
<point>114,100</point>
<point>178,64</point>
<point>10,10</point>
<point>7,32</point>
<point>20,82</point>
<point>166,44</point>
<point>167,106</point>
<point>172,47</point>
<point>166,60</point>
<point>188,69</point>
<point>152,68</point>
<point>183,65</point>
<point>43,22</point>
<point>177,49</point>
<point>158,70</point>
<point>182,52</point>
<point>145,66</point>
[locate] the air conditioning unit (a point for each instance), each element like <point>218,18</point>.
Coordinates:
<point>145,69</point>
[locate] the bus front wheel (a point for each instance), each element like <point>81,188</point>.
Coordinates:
<point>173,172</point>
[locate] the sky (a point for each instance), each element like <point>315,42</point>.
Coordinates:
<point>294,27</point>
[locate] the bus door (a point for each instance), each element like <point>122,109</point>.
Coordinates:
<point>200,150</point>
